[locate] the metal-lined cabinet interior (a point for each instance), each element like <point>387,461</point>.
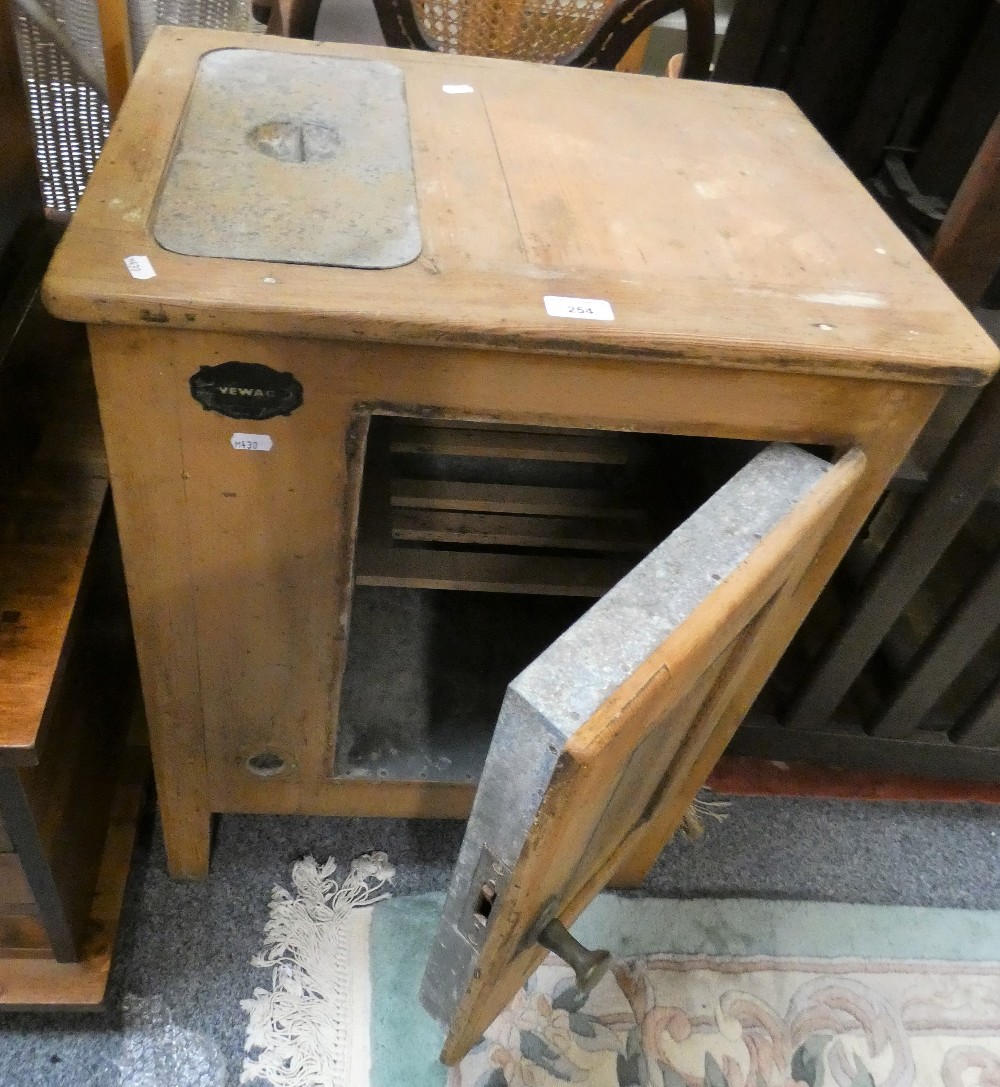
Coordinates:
<point>369,461</point>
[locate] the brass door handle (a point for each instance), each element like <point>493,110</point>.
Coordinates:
<point>589,966</point>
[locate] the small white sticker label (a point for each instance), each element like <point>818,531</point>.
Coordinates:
<point>457,88</point>
<point>584,309</point>
<point>139,267</point>
<point>258,443</point>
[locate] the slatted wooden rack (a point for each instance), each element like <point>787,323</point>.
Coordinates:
<point>437,526</point>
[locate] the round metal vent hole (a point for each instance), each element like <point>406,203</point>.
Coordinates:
<point>266,764</point>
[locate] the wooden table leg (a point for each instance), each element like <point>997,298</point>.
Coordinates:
<point>117,46</point>
<point>293,18</point>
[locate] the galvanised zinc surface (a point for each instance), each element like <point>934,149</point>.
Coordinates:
<point>295,159</point>
<point>559,691</point>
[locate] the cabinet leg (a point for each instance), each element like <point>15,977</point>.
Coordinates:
<point>187,836</point>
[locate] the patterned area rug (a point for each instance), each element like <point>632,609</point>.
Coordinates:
<point>706,993</point>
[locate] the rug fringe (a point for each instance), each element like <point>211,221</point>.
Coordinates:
<point>299,1025</point>
<point>702,808</point>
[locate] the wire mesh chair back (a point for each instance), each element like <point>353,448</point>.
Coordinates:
<point>62,62</point>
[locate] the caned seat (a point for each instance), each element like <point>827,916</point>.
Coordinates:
<point>584,33</point>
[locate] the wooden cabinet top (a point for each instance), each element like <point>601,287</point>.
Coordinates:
<point>713,220</point>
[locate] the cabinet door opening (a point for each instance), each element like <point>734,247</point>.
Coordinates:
<point>477,546</point>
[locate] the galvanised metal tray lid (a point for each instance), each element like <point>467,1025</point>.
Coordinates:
<point>292,158</point>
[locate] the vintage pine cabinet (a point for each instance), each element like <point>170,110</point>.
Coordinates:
<point>754,292</point>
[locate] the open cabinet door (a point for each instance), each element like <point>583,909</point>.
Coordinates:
<point>603,741</point>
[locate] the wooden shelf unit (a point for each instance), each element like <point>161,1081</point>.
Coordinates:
<point>72,761</point>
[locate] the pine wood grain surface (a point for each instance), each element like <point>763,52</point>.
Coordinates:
<point>47,525</point>
<point>715,221</point>
<point>758,294</point>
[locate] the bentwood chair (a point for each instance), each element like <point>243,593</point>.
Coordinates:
<point>583,33</point>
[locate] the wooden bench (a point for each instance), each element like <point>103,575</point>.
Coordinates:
<point>71,762</point>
